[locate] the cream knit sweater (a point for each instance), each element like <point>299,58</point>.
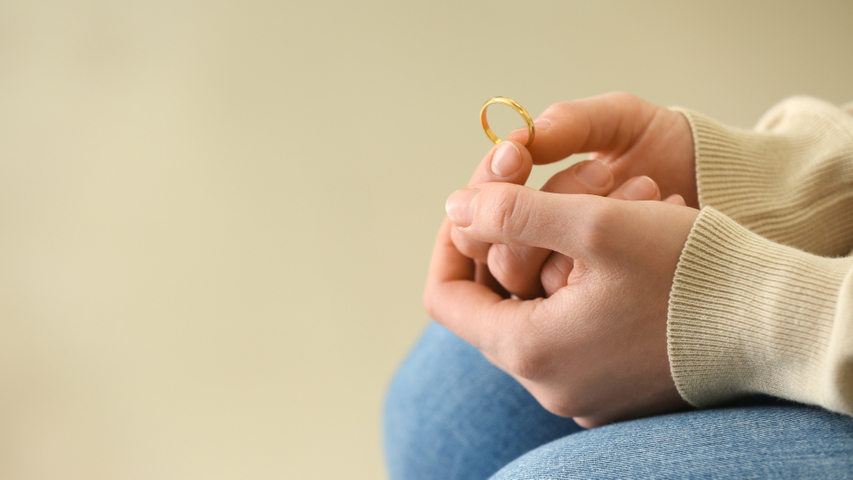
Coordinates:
<point>762,300</point>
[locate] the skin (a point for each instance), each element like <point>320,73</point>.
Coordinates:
<point>567,289</point>
<point>632,137</point>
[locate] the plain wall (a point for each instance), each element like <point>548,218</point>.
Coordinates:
<point>216,217</point>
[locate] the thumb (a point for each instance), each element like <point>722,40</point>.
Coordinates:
<point>516,215</point>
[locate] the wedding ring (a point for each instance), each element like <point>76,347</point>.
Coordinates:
<point>515,106</point>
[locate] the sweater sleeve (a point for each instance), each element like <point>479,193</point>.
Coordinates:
<point>762,300</point>
<point>790,180</point>
<point>748,315</point>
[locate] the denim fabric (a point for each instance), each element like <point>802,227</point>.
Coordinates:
<point>450,414</point>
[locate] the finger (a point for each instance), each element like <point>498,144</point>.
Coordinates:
<point>583,227</point>
<point>507,162</point>
<point>518,268</point>
<point>483,276</point>
<point>456,266</point>
<point>557,267</point>
<point>499,328</point>
<point>473,311</point>
<point>606,123</point>
<point>676,199</point>
<point>631,135</point>
<point>555,272</point>
<point>637,188</point>
<point>516,215</point>
<point>590,176</point>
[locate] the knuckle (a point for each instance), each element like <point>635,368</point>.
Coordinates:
<point>509,212</point>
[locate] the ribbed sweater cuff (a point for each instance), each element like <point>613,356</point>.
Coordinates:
<point>737,171</point>
<point>790,183</point>
<point>747,315</point>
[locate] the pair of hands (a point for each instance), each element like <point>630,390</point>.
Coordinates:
<point>569,293</point>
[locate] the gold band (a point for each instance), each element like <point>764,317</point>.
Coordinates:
<point>515,106</point>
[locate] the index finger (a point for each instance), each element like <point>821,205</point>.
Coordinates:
<point>606,123</point>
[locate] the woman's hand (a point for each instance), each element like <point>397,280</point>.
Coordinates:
<point>632,136</point>
<point>596,348</point>
<point>637,139</point>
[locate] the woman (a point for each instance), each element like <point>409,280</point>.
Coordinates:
<point>713,342</point>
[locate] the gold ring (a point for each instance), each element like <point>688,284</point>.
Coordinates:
<point>515,106</point>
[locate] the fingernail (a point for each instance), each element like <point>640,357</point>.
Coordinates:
<point>542,125</point>
<point>593,173</point>
<point>458,206</point>
<point>506,160</point>
<point>640,188</point>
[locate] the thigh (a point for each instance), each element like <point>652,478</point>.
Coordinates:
<point>769,441</point>
<point>451,414</point>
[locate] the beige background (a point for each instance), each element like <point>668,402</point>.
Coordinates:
<point>215,217</point>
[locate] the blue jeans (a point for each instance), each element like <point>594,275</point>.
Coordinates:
<point>450,414</point>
